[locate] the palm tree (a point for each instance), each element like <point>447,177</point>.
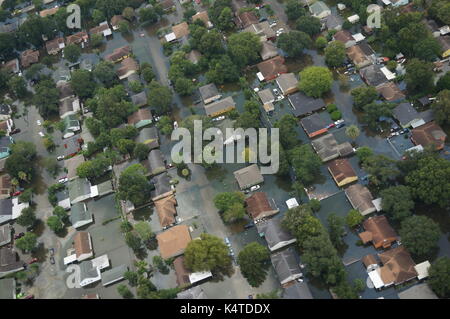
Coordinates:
<point>352,131</point>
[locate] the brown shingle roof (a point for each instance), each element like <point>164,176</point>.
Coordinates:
<point>54,45</point>
<point>360,198</point>
<point>29,57</point>
<point>128,66</point>
<point>77,38</point>
<point>48,12</point>
<point>341,169</point>
<point>140,115</point>
<point>246,19</point>
<point>166,209</point>
<point>369,260</point>
<point>357,55</point>
<point>379,232</point>
<point>270,69</point>
<point>82,243</point>
<point>343,36</point>
<point>180,30</point>
<point>173,241</point>
<point>390,91</point>
<point>118,54</point>
<point>115,20</point>
<point>201,16</point>
<point>429,134</point>
<point>5,186</point>
<point>181,272</point>
<point>398,266</point>
<point>258,204</point>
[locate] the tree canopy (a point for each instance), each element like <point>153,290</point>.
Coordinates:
<point>254,261</point>
<point>315,81</point>
<point>420,235</point>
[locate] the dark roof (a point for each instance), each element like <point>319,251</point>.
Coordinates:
<point>192,293</point>
<point>162,185</point>
<point>299,290</point>
<point>9,261</point>
<point>181,272</point>
<point>149,136</point>
<point>5,141</point>
<point>372,75</point>
<point>156,162</point>
<point>208,91</point>
<point>272,68</point>
<point>5,210</point>
<point>139,99</point>
<point>304,104</point>
<point>285,265</point>
<point>313,123</point>
<point>273,232</point>
<point>405,113</point>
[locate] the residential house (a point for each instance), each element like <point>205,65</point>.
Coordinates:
<point>80,190</point>
<point>445,44</point>
<point>286,266</point>
<point>48,12</point>
<point>69,107</point>
<point>163,188</point>
<point>6,187</point>
<point>319,10</point>
<point>397,3</point>
<point>361,199</point>
<point>72,145</point>
<point>203,16</point>
<point>186,278</point>
<point>358,57</point>
<point>390,92</point>
<point>373,75</point>
<point>114,275</point>
<point>267,99</point>
<point>116,20</point>
<point>287,83</point>
<point>54,46</point>
<point>406,115</point>
<point>334,22</point>
<point>128,66</point>
<point>173,241</point>
<point>5,112</point>
<point>7,288</point>
<point>102,29</point>
<point>271,69</point>
<point>7,126</point>
<point>259,206</point>
<point>220,107</point>
<point>141,118</point>
<point>314,125</point>
<point>263,30</point>
<point>5,235</point>
<point>29,57</point>
<point>248,176</point>
<point>297,290</point>
<point>246,19</point>
<point>5,146</point>
<point>209,93</point>
<point>119,54</point>
<point>65,90</point>
<point>194,56</point>
<point>328,148</point>
<point>71,165</point>
<point>80,215</point>
<point>275,235</point>
<point>156,162</point>
<point>398,268</point>
<point>421,291</point>
<point>180,30</point>
<point>166,209</point>
<point>148,136</point>
<point>305,105</point>
<point>89,274</point>
<point>139,99</point>
<point>429,134</point>
<point>342,172</point>
<point>77,38</point>
<point>268,50</point>
<point>353,19</point>
<point>195,292</point>
<point>345,37</point>
<point>167,5</point>
<point>9,262</point>
<point>82,248</point>
<point>71,126</point>
<point>379,232</point>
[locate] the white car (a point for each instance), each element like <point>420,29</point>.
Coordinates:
<point>255,188</point>
<point>38,122</point>
<point>175,124</point>
<point>157,118</point>
<point>273,24</point>
<point>275,91</point>
<point>63,180</point>
<point>219,118</point>
<point>41,134</point>
<point>60,158</point>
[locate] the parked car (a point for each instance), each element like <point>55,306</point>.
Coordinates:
<point>32,261</point>
<point>19,235</point>
<point>63,180</point>
<point>60,158</point>
<point>38,122</point>
<point>16,193</point>
<point>15,131</point>
<point>219,118</point>
<point>52,251</point>
<point>331,125</point>
<point>255,188</point>
<point>41,134</point>
<point>249,225</point>
<point>275,91</point>
<point>227,241</point>
<point>175,125</point>
<point>52,260</point>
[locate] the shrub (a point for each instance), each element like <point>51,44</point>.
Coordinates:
<point>331,108</point>
<point>336,115</point>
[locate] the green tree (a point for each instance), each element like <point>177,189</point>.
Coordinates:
<point>287,125</point>
<point>144,231</point>
<point>234,213</point>
<point>141,151</point>
<point>125,292</point>
<point>335,54</point>
<point>136,86</point>
<point>336,227</point>
<point>224,201</point>
<point>363,95</point>
<point>254,261</point>
<point>93,168</point>
<point>46,97</point>
<point>27,243</point>
<point>72,52</point>
<point>160,97</point>
<point>147,15</point>
<point>382,169</point>
<point>430,182</point>
<point>96,40</point>
<point>321,43</point>
<point>124,27</point>
<point>354,218</point>
<point>441,107</point>
<point>158,262</point>
<point>61,213</point>
<point>132,278</point>
<point>104,72</point>
<point>301,223</point>
<point>55,224</point>
<point>225,20</point>
<point>82,83</point>
<point>308,24</point>
<point>345,291</point>
<point>315,81</point>
<point>397,202</point>
<point>419,76</point>
<point>208,254</point>
<point>439,279</point>
<point>363,153</point>
<point>98,16</point>
<point>294,10</point>
<point>133,185</point>
<point>444,82</point>
<point>314,204</point>
<point>165,125</point>
<point>244,48</point>
<point>294,43</point>
<point>133,241</point>
<point>18,86</point>
<point>352,131</point>
<point>17,165</point>
<point>420,235</point>
<point>27,218</point>
<point>184,86</point>
<point>306,163</point>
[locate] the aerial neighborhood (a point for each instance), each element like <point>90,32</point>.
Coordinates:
<point>96,204</point>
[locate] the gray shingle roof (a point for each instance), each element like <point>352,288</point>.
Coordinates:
<point>208,91</point>
<point>405,113</point>
<point>304,105</point>
<point>299,290</point>
<point>113,275</point>
<point>285,265</point>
